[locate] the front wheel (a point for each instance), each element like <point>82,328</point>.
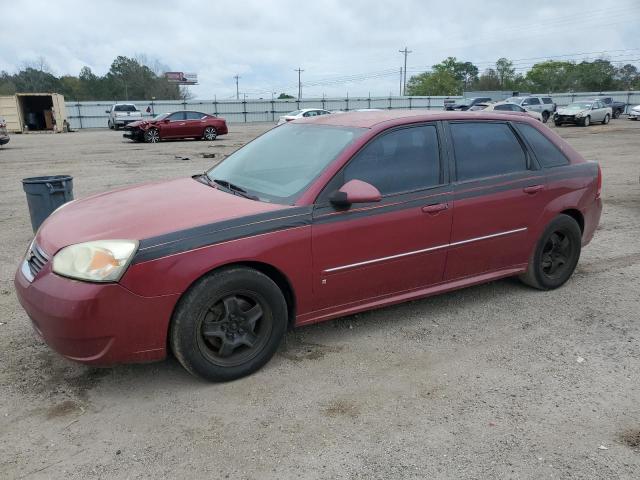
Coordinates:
<point>229,324</point>
<point>209,133</point>
<point>616,113</point>
<point>556,254</point>
<point>586,121</point>
<point>606,119</point>
<point>545,117</point>
<point>557,124</point>
<point>152,135</point>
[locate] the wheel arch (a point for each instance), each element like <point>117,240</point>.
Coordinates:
<point>577,216</point>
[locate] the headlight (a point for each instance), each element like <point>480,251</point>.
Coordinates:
<point>99,261</point>
<point>579,114</point>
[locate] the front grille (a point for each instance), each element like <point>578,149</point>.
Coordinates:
<point>36,259</point>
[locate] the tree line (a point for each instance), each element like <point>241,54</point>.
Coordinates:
<point>128,78</point>
<point>452,77</point>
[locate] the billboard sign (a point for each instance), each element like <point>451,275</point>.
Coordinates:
<point>182,78</point>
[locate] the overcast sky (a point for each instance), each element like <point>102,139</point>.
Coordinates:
<point>343,46</point>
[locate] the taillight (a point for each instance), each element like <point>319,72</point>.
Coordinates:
<point>599,183</point>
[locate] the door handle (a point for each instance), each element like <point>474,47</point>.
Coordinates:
<point>533,189</point>
<point>435,208</point>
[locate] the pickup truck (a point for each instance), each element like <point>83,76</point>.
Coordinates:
<point>616,107</point>
<point>122,114</point>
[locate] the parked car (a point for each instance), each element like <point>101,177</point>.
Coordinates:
<point>544,105</point>
<point>506,107</point>
<point>182,124</point>
<point>583,113</point>
<point>317,219</point>
<point>4,135</point>
<point>634,112</point>
<point>121,114</point>
<point>465,103</point>
<point>304,113</point>
<point>617,108</point>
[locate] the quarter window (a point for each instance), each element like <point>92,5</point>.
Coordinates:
<point>547,100</point>
<point>546,152</point>
<point>485,150</point>
<point>400,161</point>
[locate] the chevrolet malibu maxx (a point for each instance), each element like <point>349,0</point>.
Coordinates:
<point>313,220</point>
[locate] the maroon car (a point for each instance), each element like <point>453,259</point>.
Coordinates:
<point>182,124</point>
<point>313,220</point>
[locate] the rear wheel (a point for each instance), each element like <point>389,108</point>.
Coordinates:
<point>557,124</point>
<point>545,117</point>
<point>229,324</point>
<point>616,113</point>
<point>556,255</point>
<point>210,133</point>
<point>152,135</point>
<point>606,119</point>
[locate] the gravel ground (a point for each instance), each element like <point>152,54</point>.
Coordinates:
<point>494,381</point>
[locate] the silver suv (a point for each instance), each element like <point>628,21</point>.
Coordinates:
<point>535,103</point>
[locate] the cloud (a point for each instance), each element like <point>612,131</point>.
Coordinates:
<point>265,41</point>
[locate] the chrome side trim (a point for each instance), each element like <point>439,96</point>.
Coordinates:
<point>424,250</point>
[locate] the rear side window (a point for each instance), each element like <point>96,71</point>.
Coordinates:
<point>546,152</point>
<point>194,115</point>
<point>485,150</point>
<point>400,161</point>
<point>532,101</point>
<point>547,100</point>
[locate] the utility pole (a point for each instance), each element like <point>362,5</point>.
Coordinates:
<point>299,70</point>
<point>404,84</point>
<point>237,77</point>
<point>400,94</point>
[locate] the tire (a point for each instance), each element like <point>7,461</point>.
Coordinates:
<point>228,324</point>
<point>606,119</point>
<point>109,125</point>
<point>152,135</point>
<point>210,133</point>
<point>116,126</point>
<point>586,121</point>
<point>545,117</point>
<point>555,256</point>
<point>616,114</point>
<point>557,124</point>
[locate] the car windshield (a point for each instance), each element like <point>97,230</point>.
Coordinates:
<point>160,117</point>
<point>125,108</point>
<point>279,165</point>
<point>294,113</point>
<point>578,106</point>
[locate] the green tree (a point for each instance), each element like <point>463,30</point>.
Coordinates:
<point>552,76</point>
<point>627,77</point>
<point>489,80</point>
<point>436,83</point>
<point>284,96</point>
<point>464,72</point>
<point>505,71</point>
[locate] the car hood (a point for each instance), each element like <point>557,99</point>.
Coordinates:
<point>144,211</point>
<point>567,111</point>
<point>141,123</point>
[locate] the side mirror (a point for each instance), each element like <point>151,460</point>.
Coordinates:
<point>166,120</point>
<point>355,191</point>
<point>107,111</point>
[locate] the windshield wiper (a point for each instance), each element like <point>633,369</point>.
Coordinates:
<point>235,189</point>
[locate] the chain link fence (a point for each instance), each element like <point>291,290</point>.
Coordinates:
<point>92,114</point>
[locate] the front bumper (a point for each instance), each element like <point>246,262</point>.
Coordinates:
<point>96,324</point>
<point>567,119</point>
<point>126,120</point>
<point>134,134</point>
<point>634,114</point>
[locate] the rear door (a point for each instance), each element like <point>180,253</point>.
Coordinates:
<point>195,124</point>
<point>532,103</point>
<point>497,193</point>
<point>369,251</point>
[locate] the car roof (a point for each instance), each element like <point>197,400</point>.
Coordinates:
<point>400,117</point>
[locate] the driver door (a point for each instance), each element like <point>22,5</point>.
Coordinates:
<point>369,251</point>
<point>175,125</point>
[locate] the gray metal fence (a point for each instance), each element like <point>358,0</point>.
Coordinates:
<point>92,114</point>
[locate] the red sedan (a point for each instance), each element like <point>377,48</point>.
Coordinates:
<point>182,124</point>
<point>313,220</point>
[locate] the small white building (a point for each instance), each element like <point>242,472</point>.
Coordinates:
<point>32,112</point>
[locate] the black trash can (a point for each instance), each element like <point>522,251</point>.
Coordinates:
<point>45,194</point>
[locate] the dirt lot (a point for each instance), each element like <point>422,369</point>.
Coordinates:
<point>495,381</point>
